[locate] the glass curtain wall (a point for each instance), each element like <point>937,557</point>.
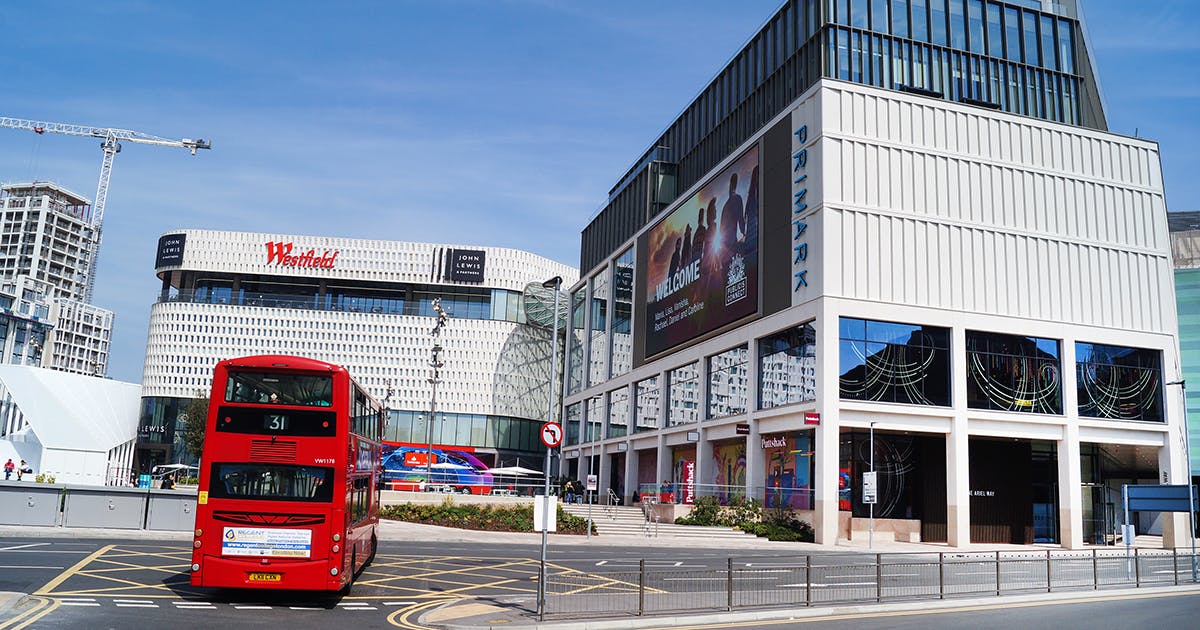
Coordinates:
<point>595,419</point>
<point>575,343</point>
<point>1118,382</point>
<point>598,347</point>
<point>727,388</point>
<point>618,413</point>
<point>648,401</point>
<point>622,316</point>
<point>787,367</point>
<point>571,422</point>
<point>1013,373</point>
<point>683,396</point>
<point>892,362</point>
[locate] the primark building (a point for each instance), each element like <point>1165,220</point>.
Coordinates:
<point>367,305</point>
<point>891,237</point>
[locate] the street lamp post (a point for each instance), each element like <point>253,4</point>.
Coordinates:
<point>435,362</point>
<point>553,283</point>
<point>1187,458</point>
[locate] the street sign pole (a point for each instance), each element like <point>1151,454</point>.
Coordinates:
<point>554,283</point>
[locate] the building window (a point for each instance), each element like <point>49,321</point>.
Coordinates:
<point>575,343</point>
<point>595,418</point>
<point>598,345</point>
<point>727,395</point>
<point>1013,373</point>
<point>891,362</point>
<point>618,413</point>
<point>683,395</point>
<point>787,367</point>
<point>622,339</point>
<point>571,423</point>
<point>1118,382</point>
<point>648,403</point>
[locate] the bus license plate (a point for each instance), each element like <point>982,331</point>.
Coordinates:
<point>266,577</point>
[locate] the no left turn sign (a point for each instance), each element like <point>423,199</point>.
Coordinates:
<point>552,434</point>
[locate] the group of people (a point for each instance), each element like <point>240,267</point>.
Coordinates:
<point>21,470</point>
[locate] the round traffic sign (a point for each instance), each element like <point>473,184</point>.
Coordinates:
<point>552,434</point>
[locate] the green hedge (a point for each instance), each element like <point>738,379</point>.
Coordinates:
<point>748,516</point>
<point>518,518</point>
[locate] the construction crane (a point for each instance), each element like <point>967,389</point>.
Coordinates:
<point>110,143</point>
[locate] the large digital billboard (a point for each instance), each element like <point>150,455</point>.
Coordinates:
<point>702,259</point>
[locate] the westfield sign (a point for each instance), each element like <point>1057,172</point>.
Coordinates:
<point>281,254</point>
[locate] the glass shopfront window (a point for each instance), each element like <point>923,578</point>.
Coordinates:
<point>787,367</point>
<point>683,395</point>
<point>727,393</point>
<point>1013,373</point>
<point>1118,382</point>
<point>892,362</point>
<point>622,317</point>
<point>648,400</point>
<point>618,413</point>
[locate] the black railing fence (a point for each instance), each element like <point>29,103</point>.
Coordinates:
<point>660,586</point>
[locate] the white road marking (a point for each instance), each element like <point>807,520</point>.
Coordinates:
<point>16,547</point>
<point>362,608</point>
<point>305,608</point>
<point>245,607</point>
<point>602,563</point>
<point>78,604</point>
<point>137,605</point>
<point>132,601</point>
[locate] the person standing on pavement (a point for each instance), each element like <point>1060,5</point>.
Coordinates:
<point>8,469</point>
<point>168,482</point>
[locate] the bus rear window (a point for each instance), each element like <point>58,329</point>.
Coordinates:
<point>276,421</point>
<point>271,482</point>
<point>283,389</point>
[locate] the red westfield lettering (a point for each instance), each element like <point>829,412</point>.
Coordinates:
<point>281,254</point>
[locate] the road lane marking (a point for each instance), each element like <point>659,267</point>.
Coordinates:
<point>42,606</point>
<point>16,547</point>
<point>65,575</point>
<point>251,607</point>
<point>305,608</point>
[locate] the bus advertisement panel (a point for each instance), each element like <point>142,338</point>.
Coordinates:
<point>289,489</point>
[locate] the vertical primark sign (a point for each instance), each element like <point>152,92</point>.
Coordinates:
<point>805,167</point>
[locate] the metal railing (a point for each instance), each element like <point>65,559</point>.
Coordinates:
<point>813,580</point>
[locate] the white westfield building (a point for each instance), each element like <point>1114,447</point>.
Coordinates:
<point>366,305</point>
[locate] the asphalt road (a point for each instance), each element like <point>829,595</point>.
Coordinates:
<point>129,583</point>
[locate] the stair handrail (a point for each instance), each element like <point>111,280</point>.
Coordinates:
<point>650,527</point>
<point>611,503</point>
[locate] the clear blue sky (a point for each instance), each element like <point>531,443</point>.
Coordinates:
<point>486,122</point>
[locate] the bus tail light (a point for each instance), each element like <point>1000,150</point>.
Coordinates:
<point>196,544</point>
<point>337,537</point>
<point>337,548</point>
<point>195,568</point>
<point>333,571</point>
<point>199,532</point>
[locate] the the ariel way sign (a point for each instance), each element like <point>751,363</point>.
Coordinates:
<point>280,253</point>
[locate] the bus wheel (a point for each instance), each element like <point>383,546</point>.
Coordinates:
<point>465,490</point>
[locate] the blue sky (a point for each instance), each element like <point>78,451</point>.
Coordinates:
<point>483,122</point>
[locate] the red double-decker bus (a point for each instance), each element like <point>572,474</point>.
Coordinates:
<point>289,478</point>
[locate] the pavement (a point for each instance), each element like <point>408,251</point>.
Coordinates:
<point>478,615</point>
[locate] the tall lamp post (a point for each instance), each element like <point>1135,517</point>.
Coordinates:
<point>1187,458</point>
<point>554,283</point>
<point>435,362</point>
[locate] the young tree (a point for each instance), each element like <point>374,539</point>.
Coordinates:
<point>192,421</point>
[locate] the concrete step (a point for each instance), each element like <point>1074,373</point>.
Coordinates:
<point>629,521</point>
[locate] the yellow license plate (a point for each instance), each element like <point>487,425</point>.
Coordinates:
<point>266,577</point>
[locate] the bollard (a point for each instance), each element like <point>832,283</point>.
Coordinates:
<point>729,585</point>
<point>641,586</point>
<point>941,575</point>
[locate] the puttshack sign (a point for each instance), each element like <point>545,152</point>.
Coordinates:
<point>280,253</point>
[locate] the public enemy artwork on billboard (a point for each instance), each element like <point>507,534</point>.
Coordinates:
<point>702,259</point>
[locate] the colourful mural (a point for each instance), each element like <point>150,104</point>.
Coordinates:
<point>789,471</point>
